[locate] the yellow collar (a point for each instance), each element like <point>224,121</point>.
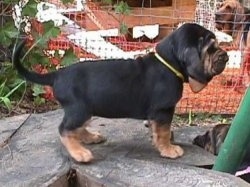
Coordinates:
<point>175,71</point>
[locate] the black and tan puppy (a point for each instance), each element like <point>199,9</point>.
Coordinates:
<point>145,88</point>
<point>213,139</point>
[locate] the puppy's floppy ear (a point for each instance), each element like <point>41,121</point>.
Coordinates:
<point>200,44</point>
<point>239,13</point>
<point>195,85</point>
<point>197,77</point>
<point>195,67</point>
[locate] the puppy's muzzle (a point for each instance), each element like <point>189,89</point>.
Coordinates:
<point>220,16</point>
<point>200,141</point>
<point>220,20</point>
<point>220,59</point>
<point>217,16</point>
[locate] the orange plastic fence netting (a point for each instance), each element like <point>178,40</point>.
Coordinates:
<point>222,95</point>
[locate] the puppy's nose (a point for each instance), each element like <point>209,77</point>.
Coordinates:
<point>199,141</point>
<point>224,57</point>
<point>217,16</point>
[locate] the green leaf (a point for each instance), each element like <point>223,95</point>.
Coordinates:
<point>16,82</point>
<point>6,102</point>
<point>123,28</point>
<point>14,89</point>
<point>2,87</point>
<point>51,31</point>
<point>122,8</point>
<point>39,100</point>
<point>107,1</point>
<point>40,40</point>
<point>48,25</point>
<point>10,1</point>
<point>7,33</point>
<point>30,9</point>
<point>190,115</point>
<point>44,61</point>
<point>37,90</point>
<point>67,1</point>
<point>69,57</point>
<point>37,57</point>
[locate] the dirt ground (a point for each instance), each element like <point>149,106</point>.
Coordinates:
<point>27,106</point>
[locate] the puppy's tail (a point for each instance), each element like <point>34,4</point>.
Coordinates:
<point>43,79</point>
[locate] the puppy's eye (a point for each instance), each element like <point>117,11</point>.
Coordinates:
<point>221,4</point>
<point>211,49</point>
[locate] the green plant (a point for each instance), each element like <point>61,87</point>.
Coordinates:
<point>190,117</point>
<point>122,9</point>
<point>38,91</point>
<point>12,88</point>
<point>5,97</point>
<point>197,118</point>
<point>107,2</point>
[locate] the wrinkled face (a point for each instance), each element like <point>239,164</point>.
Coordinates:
<point>195,50</point>
<point>213,62</point>
<point>214,58</point>
<point>229,13</point>
<point>212,140</point>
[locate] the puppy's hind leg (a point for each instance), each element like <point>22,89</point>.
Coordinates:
<point>71,131</point>
<point>91,137</point>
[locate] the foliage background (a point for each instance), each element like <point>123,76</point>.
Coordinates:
<point>13,89</point>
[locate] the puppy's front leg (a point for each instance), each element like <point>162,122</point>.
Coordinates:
<point>161,140</point>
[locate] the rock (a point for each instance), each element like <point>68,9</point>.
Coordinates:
<point>10,125</point>
<point>34,156</point>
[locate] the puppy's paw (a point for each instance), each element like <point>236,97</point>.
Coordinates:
<point>81,155</point>
<point>93,138</point>
<point>171,151</point>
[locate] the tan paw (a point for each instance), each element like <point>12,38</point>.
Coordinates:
<point>81,155</point>
<point>171,151</point>
<point>93,138</point>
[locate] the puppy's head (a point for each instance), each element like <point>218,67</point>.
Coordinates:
<point>229,16</point>
<point>212,139</point>
<point>199,53</point>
